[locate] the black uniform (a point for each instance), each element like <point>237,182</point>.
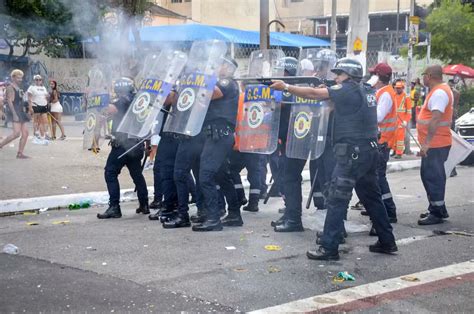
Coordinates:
<point>218,127</point>
<point>132,160</point>
<point>355,150</point>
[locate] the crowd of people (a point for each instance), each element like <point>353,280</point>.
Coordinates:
<point>37,104</point>
<point>367,121</point>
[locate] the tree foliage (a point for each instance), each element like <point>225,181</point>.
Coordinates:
<point>41,26</point>
<point>51,26</point>
<point>452,32</point>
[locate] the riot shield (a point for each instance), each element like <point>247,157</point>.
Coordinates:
<point>161,73</point>
<point>195,88</point>
<point>259,119</point>
<point>309,119</point>
<point>308,129</point>
<point>97,98</point>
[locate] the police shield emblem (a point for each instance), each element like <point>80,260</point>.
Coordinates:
<point>308,129</point>
<point>257,129</point>
<point>195,88</point>
<point>161,73</point>
<point>259,114</point>
<point>97,98</point>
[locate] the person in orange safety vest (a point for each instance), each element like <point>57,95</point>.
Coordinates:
<point>403,105</point>
<point>387,122</point>
<point>435,138</point>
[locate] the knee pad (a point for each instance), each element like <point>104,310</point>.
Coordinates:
<point>339,188</point>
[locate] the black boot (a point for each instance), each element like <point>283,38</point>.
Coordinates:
<point>251,207</point>
<point>232,220</point>
<point>143,209</point>
<point>278,222</point>
<point>179,221</point>
<point>156,204</point>
<point>209,225</point>
<point>444,214</point>
<point>290,225</point>
<point>200,216</point>
<point>430,220</point>
<point>322,254</point>
<point>164,212</point>
<point>112,212</point>
<point>383,248</point>
<point>253,204</point>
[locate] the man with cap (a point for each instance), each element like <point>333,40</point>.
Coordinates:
<point>387,123</point>
<point>403,104</point>
<point>435,138</point>
<point>355,148</point>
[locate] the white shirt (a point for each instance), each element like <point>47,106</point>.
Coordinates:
<point>39,95</point>
<point>438,101</point>
<point>384,105</point>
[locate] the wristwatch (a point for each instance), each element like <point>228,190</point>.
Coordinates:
<point>286,88</point>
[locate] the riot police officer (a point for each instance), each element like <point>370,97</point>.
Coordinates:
<point>120,143</point>
<point>219,127</point>
<point>355,150</point>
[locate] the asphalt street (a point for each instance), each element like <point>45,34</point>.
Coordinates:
<point>70,261</point>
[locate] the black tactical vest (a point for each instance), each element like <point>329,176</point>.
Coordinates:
<point>361,125</point>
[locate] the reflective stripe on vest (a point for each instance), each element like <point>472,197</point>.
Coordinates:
<point>442,123</point>
<point>389,124</point>
<point>401,107</point>
<point>442,137</point>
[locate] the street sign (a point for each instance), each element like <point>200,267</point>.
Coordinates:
<point>415,20</point>
<point>413,29</point>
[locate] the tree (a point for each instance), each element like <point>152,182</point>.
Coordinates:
<point>452,32</point>
<point>38,26</point>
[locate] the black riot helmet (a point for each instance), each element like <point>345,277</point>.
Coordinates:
<point>351,67</point>
<point>290,64</point>
<point>124,86</point>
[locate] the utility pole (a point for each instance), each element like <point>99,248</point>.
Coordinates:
<point>358,31</point>
<point>333,24</point>
<point>264,19</point>
<point>411,43</point>
<point>398,24</point>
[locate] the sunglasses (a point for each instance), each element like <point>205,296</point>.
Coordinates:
<point>38,79</point>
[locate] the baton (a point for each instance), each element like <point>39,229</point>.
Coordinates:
<point>313,185</point>
<point>408,130</point>
<point>269,192</point>
<point>135,146</point>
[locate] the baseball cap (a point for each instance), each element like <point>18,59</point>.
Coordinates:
<point>381,69</point>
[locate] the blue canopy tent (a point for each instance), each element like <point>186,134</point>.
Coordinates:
<point>193,32</point>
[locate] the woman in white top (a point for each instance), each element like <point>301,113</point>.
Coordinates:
<point>56,110</point>
<point>38,99</point>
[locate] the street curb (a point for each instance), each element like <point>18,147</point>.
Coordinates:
<point>11,206</point>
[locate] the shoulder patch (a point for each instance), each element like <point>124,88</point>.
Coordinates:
<point>336,87</point>
<point>224,82</point>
